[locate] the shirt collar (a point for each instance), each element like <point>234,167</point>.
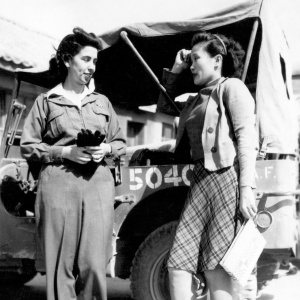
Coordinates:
<point>214,82</point>
<point>59,90</point>
<point>210,86</point>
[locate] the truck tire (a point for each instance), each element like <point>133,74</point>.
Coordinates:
<point>19,276</point>
<point>149,276</point>
<point>14,278</point>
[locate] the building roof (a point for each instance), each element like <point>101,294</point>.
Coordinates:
<point>21,47</point>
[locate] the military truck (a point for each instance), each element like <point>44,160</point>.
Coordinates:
<point>150,185</point>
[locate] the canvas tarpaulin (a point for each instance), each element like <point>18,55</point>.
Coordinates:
<point>276,118</point>
<point>212,14</point>
<point>121,78</point>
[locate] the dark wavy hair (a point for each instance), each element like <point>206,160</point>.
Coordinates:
<point>233,55</point>
<point>68,48</point>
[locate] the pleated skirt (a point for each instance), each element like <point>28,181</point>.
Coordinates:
<point>209,221</point>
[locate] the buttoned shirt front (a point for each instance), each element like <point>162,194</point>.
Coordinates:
<point>195,121</point>
<point>55,121</point>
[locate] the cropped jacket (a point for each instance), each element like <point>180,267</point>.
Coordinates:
<point>229,131</point>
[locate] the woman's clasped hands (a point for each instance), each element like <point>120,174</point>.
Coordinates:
<point>83,155</point>
<point>98,152</point>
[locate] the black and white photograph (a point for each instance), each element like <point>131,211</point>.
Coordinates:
<point>149,150</point>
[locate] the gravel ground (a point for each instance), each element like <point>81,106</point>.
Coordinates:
<point>284,288</point>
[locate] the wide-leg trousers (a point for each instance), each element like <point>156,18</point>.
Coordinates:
<point>74,215</point>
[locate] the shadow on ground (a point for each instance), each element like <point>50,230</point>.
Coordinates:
<point>118,289</point>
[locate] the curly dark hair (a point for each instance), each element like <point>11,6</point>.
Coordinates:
<point>232,53</point>
<point>68,48</point>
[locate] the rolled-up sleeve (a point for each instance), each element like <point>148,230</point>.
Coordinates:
<point>169,81</point>
<point>241,107</point>
<point>32,146</point>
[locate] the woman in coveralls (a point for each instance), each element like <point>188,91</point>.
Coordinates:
<point>75,197</point>
<point>217,127</point>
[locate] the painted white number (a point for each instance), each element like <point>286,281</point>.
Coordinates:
<point>184,172</point>
<point>149,176</point>
<point>138,180</point>
<point>268,171</point>
<point>155,182</point>
<point>175,179</point>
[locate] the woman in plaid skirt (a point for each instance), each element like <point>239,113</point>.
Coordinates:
<point>217,128</point>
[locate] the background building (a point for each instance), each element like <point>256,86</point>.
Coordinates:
<point>20,48</point>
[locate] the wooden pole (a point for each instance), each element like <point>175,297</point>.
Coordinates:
<point>125,38</point>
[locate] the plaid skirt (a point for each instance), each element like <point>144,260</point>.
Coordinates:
<point>209,221</point>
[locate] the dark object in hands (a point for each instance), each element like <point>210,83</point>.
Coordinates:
<point>86,138</point>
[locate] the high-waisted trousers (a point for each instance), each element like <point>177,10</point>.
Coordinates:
<point>74,217</point>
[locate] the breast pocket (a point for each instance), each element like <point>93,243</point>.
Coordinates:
<point>56,122</point>
<point>102,115</point>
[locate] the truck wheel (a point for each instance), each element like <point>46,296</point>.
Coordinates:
<point>15,278</point>
<point>149,275</point>
<point>18,277</point>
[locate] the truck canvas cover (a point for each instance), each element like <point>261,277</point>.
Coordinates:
<point>121,77</point>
